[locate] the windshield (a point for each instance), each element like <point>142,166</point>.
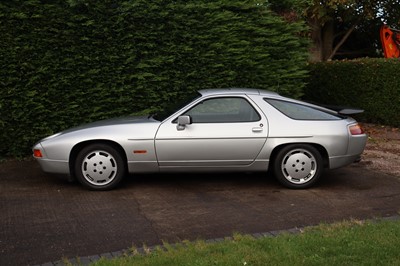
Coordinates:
<point>170,108</point>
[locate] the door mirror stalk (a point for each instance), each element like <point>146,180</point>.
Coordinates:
<point>183,120</point>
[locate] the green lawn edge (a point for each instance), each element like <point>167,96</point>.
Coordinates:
<point>345,243</point>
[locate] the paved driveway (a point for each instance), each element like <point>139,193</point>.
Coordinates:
<point>44,218</point>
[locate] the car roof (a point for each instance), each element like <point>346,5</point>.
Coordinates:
<point>264,93</point>
<point>227,91</point>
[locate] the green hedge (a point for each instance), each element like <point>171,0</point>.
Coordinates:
<point>369,84</point>
<point>67,62</point>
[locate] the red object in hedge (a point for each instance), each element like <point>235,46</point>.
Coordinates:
<point>390,39</point>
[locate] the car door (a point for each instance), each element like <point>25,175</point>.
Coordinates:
<point>224,131</point>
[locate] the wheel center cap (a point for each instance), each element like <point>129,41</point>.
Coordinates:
<point>299,166</point>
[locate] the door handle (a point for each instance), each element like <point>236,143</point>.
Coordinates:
<point>257,129</point>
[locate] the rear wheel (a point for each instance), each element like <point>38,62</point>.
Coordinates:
<point>298,166</point>
<point>99,167</point>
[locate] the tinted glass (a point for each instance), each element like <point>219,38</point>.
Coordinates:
<point>223,110</point>
<point>301,112</point>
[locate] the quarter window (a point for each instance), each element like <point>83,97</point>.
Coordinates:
<point>301,112</point>
<point>223,110</point>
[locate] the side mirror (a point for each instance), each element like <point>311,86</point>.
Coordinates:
<point>183,121</point>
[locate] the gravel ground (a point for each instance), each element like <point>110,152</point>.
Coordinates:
<point>44,218</point>
<point>383,149</point>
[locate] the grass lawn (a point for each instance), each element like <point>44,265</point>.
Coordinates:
<point>345,243</point>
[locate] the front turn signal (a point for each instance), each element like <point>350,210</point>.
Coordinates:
<point>356,130</point>
<point>37,153</point>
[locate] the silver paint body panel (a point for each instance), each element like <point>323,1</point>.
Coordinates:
<point>230,146</point>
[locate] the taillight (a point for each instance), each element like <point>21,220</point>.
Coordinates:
<point>37,153</point>
<point>356,129</point>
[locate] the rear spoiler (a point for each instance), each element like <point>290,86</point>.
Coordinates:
<point>340,109</point>
<point>350,111</point>
<point>343,110</point>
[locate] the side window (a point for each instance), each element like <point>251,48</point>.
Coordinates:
<point>223,110</point>
<point>301,112</point>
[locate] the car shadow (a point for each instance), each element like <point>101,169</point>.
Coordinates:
<point>206,181</point>
<point>332,179</point>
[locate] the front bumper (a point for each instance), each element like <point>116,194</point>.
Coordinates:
<point>52,166</point>
<point>49,165</point>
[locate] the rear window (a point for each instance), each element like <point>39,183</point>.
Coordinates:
<point>301,112</point>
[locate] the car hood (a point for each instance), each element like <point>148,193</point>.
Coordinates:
<point>113,122</point>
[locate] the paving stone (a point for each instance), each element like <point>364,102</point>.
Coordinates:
<point>117,254</point>
<point>106,255</point>
<point>257,235</point>
<point>267,234</point>
<point>84,260</point>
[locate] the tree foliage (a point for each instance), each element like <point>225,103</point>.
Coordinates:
<point>337,21</point>
<point>66,62</point>
<point>343,28</point>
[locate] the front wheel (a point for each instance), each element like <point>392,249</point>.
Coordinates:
<point>298,166</point>
<point>99,167</point>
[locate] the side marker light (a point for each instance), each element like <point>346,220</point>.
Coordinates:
<point>139,151</point>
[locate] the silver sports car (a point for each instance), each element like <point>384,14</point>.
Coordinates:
<point>217,130</point>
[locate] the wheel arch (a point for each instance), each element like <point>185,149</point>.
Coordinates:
<point>321,149</point>
<point>79,146</point>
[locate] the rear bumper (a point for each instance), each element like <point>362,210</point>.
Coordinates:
<point>355,148</point>
<point>336,162</point>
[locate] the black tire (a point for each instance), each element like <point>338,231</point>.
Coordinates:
<point>298,166</point>
<point>99,167</point>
